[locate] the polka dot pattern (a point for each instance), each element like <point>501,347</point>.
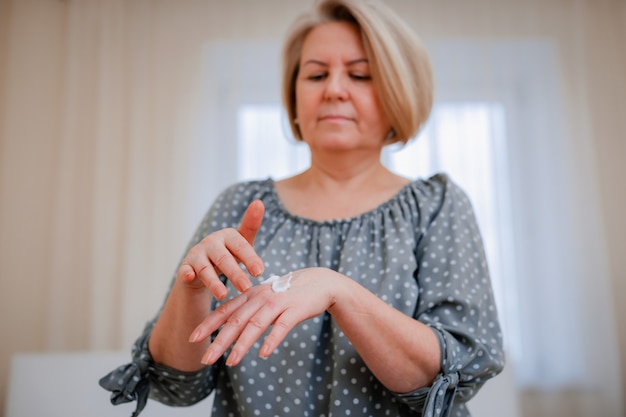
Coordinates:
<point>420,252</point>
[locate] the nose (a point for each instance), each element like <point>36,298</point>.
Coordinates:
<point>336,87</point>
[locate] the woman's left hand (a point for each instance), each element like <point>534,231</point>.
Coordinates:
<point>245,318</point>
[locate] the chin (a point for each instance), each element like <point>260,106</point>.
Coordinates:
<point>334,144</point>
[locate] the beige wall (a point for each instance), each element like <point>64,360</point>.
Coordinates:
<point>608,100</point>
<point>5,11</point>
<point>33,48</point>
<point>31,90</point>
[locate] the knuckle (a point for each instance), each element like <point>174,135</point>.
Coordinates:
<point>272,339</point>
<point>221,310</point>
<point>210,241</point>
<point>203,267</point>
<point>238,245</point>
<point>257,323</point>
<point>234,320</point>
<point>208,238</point>
<point>282,325</point>
<point>224,234</point>
<point>193,252</point>
<point>219,344</point>
<point>222,259</point>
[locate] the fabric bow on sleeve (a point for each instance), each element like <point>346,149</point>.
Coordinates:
<point>128,383</point>
<point>440,396</point>
<point>436,400</point>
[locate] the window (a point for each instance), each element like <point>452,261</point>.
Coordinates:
<point>466,140</point>
<point>263,147</point>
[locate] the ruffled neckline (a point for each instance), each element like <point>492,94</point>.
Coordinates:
<point>278,206</point>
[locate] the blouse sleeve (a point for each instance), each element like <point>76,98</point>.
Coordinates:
<point>143,378</point>
<point>455,300</point>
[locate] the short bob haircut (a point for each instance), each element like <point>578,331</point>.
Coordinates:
<point>399,63</point>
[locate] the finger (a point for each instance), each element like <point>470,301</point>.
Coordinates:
<point>243,253</point>
<point>251,221</point>
<point>220,253</point>
<point>186,273</point>
<point>216,319</point>
<point>232,328</point>
<point>207,278</point>
<point>226,257</point>
<point>256,327</point>
<point>283,325</point>
<point>249,227</point>
<point>205,272</point>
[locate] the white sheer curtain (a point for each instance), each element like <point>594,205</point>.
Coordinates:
<point>118,126</point>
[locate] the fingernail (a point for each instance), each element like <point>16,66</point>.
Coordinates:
<point>220,293</point>
<point>232,359</point>
<point>264,352</point>
<point>194,336</point>
<point>207,359</point>
<point>256,270</point>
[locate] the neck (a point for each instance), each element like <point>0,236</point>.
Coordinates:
<point>339,173</point>
<point>327,191</point>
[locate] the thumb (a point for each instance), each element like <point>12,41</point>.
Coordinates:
<point>251,221</point>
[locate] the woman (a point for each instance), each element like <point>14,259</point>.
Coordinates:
<point>379,301</point>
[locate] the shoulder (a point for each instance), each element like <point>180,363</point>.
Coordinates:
<point>438,194</point>
<point>245,191</point>
<point>435,188</point>
<point>232,202</point>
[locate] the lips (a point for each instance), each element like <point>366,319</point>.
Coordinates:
<point>334,118</point>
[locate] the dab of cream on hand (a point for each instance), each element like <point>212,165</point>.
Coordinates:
<point>279,284</point>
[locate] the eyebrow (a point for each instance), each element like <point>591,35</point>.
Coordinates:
<point>352,62</point>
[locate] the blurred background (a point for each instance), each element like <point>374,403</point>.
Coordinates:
<point>121,120</point>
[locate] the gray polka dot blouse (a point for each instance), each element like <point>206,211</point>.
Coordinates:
<point>421,252</point>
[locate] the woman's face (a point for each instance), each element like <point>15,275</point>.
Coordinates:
<point>336,106</point>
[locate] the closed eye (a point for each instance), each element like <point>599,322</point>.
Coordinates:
<point>317,77</point>
<point>360,77</point>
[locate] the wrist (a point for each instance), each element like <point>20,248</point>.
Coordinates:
<point>344,292</point>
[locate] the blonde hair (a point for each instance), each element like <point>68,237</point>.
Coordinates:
<point>399,63</point>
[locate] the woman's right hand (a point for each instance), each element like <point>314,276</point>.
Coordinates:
<point>223,252</point>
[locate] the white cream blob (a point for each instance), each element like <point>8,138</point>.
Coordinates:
<point>279,284</point>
